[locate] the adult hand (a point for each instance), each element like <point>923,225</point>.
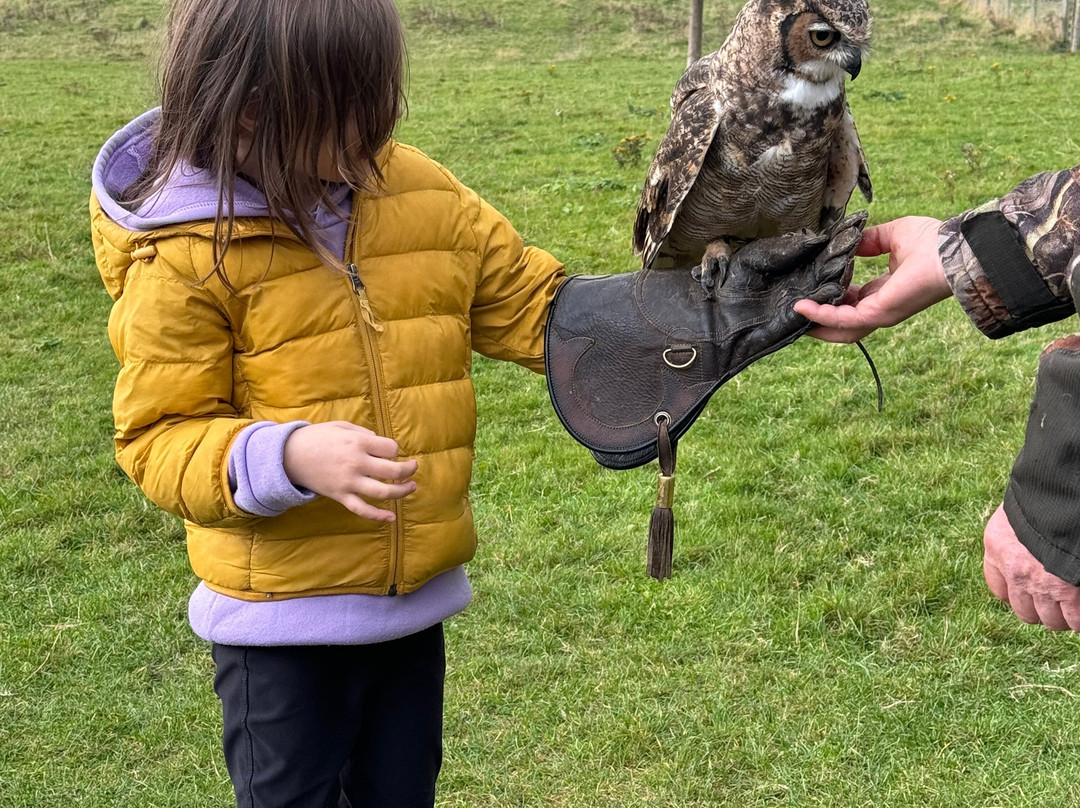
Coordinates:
<point>349,464</point>
<point>915,281</point>
<point>1016,576</point>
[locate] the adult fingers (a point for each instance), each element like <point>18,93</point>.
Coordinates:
<point>876,240</point>
<point>872,286</point>
<point>1070,610</point>
<point>1023,605</point>
<point>840,335</point>
<point>807,308</point>
<point>1050,614</point>
<point>845,322</point>
<point>851,295</point>
<point>890,236</point>
<point>995,579</point>
<point>849,320</point>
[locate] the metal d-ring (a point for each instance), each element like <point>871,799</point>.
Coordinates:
<point>685,364</point>
<point>662,415</point>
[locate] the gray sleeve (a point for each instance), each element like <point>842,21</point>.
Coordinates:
<point>1042,500</point>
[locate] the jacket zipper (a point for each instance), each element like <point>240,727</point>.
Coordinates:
<point>368,326</point>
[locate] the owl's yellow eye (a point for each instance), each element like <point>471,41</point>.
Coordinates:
<point>822,38</point>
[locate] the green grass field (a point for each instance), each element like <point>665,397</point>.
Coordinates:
<point>826,640</point>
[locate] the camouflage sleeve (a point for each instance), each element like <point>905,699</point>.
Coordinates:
<point>1008,261</point>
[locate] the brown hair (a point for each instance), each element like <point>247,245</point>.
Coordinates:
<point>305,72</point>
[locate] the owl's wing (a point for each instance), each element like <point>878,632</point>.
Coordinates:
<point>695,119</point>
<point>847,169</point>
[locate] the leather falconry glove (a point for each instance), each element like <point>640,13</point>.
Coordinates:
<point>632,359</point>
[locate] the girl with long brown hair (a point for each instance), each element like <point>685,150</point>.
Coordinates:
<point>297,298</point>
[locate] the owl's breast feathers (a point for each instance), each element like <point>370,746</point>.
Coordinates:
<point>742,160</point>
<point>752,120</point>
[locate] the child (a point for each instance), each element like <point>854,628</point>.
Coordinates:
<point>1011,264</point>
<point>296,301</point>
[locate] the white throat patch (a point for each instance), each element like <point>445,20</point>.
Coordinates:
<point>809,94</point>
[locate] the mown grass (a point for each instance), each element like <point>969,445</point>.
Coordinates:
<point>826,640</point>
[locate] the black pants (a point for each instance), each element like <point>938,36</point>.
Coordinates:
<point>334,726</point>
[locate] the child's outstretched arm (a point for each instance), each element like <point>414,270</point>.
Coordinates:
<point>514,288</point>
<point>915,281</point>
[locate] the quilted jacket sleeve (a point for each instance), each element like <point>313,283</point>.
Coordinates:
<point>1010,264</point>
<point>172,404</point>
<point>515,287</point>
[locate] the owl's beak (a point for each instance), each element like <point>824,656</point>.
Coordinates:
<point>853,64</point>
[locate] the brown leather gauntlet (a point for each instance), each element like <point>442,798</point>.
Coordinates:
<point>623,351</point>
<point>633,359</point>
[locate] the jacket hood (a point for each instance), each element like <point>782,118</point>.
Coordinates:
<point>189,194</point>
<point>124,232</point>
<point>186,203</point>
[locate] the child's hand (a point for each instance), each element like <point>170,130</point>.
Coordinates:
<point>349,464</point>
<point>915,281</point>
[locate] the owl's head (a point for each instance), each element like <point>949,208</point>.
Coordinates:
<point>821,40</point>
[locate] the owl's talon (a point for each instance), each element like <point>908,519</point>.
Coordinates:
<point>721,269</point>
<point>711,273</point>
<point>703,276</point>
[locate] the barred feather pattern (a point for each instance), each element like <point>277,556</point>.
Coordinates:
<point>761,140</point>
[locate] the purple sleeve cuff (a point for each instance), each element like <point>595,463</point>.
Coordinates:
<point>256,471</point>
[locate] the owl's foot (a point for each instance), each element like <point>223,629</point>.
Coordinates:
<point>713,267</point>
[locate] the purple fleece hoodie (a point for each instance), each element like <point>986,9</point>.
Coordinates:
<point>260,485</point>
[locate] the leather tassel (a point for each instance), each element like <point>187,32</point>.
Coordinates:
<point>662,523</point>
<point>662,531</point>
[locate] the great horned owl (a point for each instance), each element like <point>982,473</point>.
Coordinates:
<point>761,140</point>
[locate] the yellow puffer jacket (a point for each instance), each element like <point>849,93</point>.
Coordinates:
<point>441,273</point>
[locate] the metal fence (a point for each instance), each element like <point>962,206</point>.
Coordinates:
<point>1059,19</point>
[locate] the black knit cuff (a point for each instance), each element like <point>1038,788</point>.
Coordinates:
<point>1042,500</point>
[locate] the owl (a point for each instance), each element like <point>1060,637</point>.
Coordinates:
<point>761,140</point>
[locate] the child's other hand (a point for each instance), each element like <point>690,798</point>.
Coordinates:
<point>349,464</point>
<point>915,281</point>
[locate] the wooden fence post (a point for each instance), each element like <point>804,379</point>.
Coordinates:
<point>693,48</point>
